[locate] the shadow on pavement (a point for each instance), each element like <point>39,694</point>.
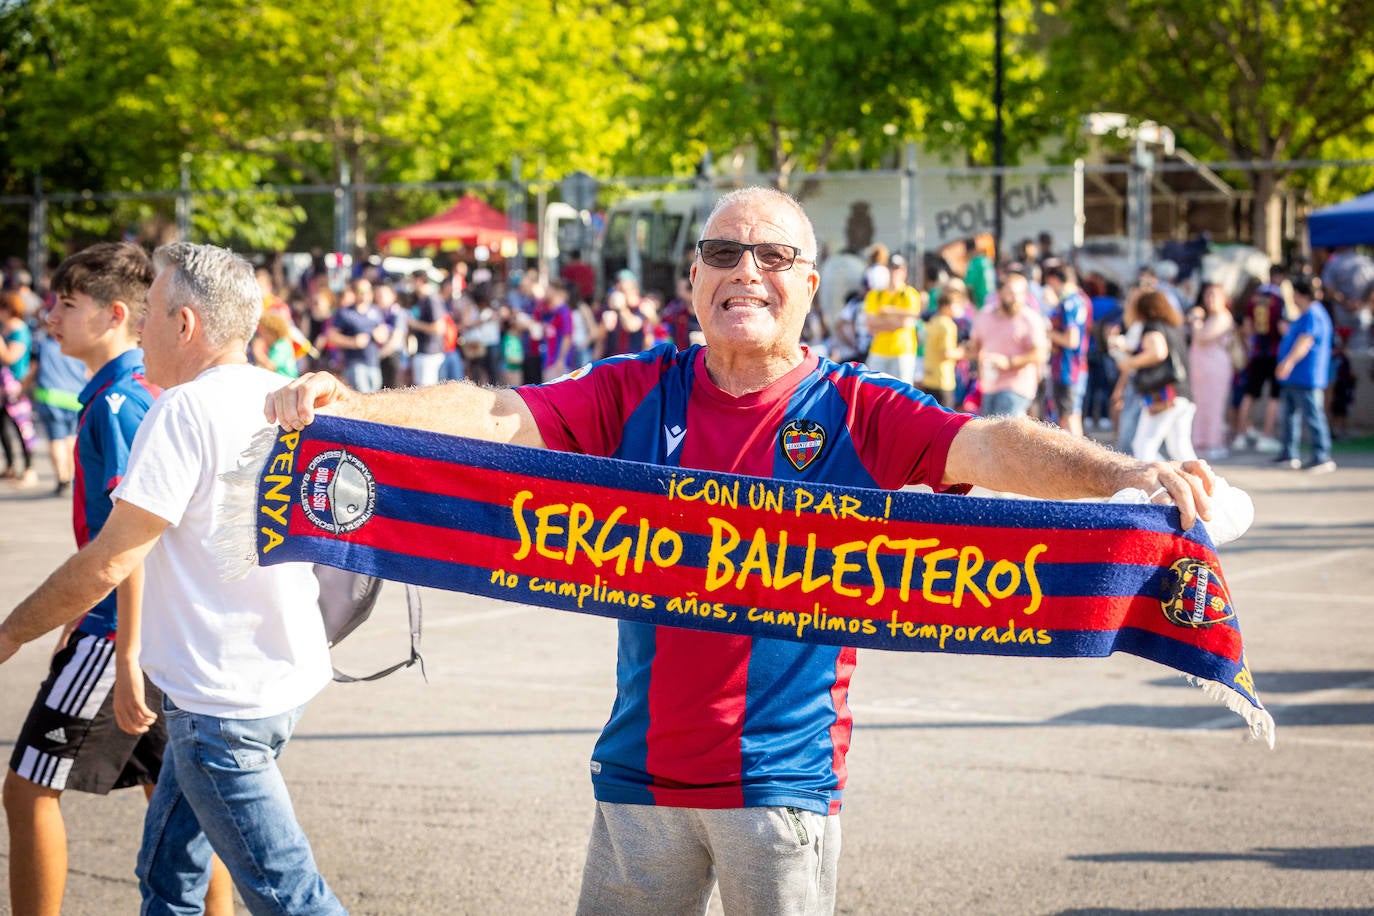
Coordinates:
<point>1218,911</point>
<point>1331,858</point>
<point>1305,538</point>
<point>1272,682</point>
<point>1163,717</point>
<point>1172,717</point>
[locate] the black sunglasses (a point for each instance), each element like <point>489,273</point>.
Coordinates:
<point>770,256</point>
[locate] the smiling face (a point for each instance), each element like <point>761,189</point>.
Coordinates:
<point>744,310</point>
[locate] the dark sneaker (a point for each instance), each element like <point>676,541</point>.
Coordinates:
<point>1324,467</point>
<point>1291,464</point>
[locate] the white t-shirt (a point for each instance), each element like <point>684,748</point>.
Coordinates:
<point>245,649</point>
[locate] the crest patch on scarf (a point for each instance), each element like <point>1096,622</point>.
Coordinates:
<point>1194,595</point>
<point>802,442</point>
<point>338,492</point>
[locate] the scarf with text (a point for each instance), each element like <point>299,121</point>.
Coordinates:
<point>756,557</point>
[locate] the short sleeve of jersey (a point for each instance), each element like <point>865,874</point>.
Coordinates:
<point>563,322</point>
<point>166,460</point>
<point>902,437</point>
<point>1307,323</point>
<point>1071,312</point>
<point>586,411</point>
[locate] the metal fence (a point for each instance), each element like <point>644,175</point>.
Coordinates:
<point>918,209</point>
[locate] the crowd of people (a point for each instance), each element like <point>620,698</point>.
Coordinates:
<point>1158,368</point>
<point>681,805</point>
<point>433,326</point>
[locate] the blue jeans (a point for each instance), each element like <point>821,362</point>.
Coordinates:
<point>1131,408</point>
<point>1305,406</point>
<point>1005,404</point>
<point>362,377</point>
<point>220,787</point>
<point>451,370</point>
<point>1102,375</point>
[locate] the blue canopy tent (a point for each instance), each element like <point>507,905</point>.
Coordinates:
<point>1347,223</point>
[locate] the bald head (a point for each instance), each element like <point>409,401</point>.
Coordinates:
<point>752,196</point>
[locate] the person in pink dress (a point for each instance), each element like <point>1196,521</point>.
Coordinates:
<point>1209,364</point>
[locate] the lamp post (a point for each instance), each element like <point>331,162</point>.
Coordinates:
<point>998,132</point>
<point>1143,135</point>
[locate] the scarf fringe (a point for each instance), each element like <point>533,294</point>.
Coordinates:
<point>1260,721</point>
<point>236,538</point>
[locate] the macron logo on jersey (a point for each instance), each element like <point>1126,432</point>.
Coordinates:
<point>116,401</point>
<point>672,438</point>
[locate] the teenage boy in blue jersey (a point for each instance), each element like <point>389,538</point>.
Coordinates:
<point>91,727</point>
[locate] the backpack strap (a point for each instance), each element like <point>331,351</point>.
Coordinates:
<point>414,607</point>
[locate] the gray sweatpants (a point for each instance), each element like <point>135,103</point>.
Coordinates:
<point>645,859</point>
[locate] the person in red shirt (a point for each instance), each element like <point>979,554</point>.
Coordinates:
<point>723,762</point>
<point>580,275</point>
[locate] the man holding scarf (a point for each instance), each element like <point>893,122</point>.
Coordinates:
<point>723,761</point>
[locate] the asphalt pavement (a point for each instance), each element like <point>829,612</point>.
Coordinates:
<point>977,785</point>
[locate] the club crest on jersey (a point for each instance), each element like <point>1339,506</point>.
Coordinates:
<point>802,442</point>
<point>338,492</point>
<point>1194,595</point>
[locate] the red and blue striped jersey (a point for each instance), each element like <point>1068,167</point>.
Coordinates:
<point>113,404</point>
<point>1075,310</point>
<point>706,720</point>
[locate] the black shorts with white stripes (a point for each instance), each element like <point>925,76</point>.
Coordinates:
<point>70,739</point>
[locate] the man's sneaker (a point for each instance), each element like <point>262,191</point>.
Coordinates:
<point>1243,441</point>
<point>1268,445</point>
<point>1292,464</point>
<point>1322,467</point>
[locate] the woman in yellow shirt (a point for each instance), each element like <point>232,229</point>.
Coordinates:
<point>942,345</point>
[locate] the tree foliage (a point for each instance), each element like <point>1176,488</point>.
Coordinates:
<point>1236,79</point>
<point>122,95</point>
<point>835,83</point>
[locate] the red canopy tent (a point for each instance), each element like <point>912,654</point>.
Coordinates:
<point>471,222</point>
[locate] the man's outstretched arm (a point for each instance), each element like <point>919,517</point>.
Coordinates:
<point>1017,455</point>
<point>86,577</point>
<point>455,408</point>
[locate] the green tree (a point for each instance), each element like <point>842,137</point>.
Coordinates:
<point>1243,80</point>
<point>97,95</point>
<point>119,94</point>
<point>824,83</point>
<point>545,80</point>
